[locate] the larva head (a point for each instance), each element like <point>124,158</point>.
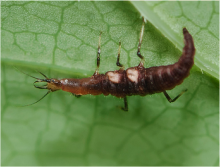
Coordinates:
<point>51,84</point>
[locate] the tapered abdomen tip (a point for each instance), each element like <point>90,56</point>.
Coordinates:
<point>185,30</point>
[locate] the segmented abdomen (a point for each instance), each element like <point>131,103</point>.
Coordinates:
<point>135,81</point>
<point>143,81</point>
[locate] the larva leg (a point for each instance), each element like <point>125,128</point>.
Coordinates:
<point>98,55</point>
<point>76,95</point>
<point>118,58</point>
<point>125,108</point>
<point>140,41</point>
<point>172,100</point>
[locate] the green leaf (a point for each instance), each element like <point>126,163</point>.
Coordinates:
<point>60,39</point>
<point>202,19</point>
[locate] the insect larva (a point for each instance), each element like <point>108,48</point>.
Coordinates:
<point>133,81</point>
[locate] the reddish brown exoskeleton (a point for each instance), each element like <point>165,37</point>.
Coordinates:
<point>132,81</point>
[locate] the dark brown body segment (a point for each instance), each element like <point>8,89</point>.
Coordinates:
<point>136,80</point>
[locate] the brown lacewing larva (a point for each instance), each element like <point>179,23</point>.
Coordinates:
<point>132,81</point>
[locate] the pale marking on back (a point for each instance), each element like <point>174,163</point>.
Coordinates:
<point>168,72</point>
<point>181,69</point>
<point>173,76</point>
<point>159,74</point>
<point>151,79</point>
<point>114,77</point>
<point>132,75</point>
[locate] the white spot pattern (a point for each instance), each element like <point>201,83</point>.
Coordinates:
<point>114,77</point>
<point>132,75</point>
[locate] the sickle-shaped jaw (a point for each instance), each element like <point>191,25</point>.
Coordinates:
<point>42,80</point>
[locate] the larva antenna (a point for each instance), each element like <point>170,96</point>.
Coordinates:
<point>40,80</point>
<point>37,100</point>
<point>42,74</point>
<point>27,74</point>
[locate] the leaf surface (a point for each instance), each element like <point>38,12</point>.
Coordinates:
<point>60,39</point>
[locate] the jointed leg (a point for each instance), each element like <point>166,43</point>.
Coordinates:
<point>125,108</point>
<point>140,41</point>
<point>98,55</point>
<point>76,95</point>
<point>118,63</point>
<point>172,100</point>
